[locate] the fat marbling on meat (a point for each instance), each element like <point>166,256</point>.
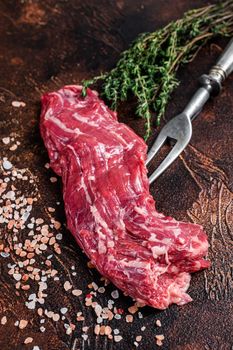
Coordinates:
<point>109,208</point>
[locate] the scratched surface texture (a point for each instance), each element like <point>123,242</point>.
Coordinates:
<point>48,43</point>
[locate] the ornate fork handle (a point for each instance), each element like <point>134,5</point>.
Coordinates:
<point>211,83</point>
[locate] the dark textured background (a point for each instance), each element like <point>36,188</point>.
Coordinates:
<point>45,44</point>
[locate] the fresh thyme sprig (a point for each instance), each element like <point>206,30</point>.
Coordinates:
<point>147,70</point>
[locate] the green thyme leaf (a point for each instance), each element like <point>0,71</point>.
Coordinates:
<point>147,70</point>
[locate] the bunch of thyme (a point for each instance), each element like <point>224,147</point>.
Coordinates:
<point>147,70</point>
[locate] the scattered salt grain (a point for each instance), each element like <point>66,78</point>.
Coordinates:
<point>108,330</point>
<point>17,276</point>
<point>69,331</point>
<point>143,328</point>
<point>133,309</point>
<point>4,254</point>
<point>39,221</point>
<point>23,324</point>
<point>98,310</point>
<point>85,336</point>
<point>53,179</point>
<point>138,338</point>
<point>36,348</point>
<point>97,329</point>
<point>59,236</point>
<point>42,329</point>
<point>77,292</point>
<point>101,290</point>
<point>56,317</point>
<point>116,331</point>
<point>117,317</point>
<point>158,323</point>
<point>115,294</point>
<point>129,318</point>
<point>159,339</point>
<point>99,320</point>
<point>3,320</point>
<point>117,338</point>
<point>57,225</point>
<point>63,310</point>
<point>67,286</point>
<point>40,311</point>
<point>159,336</point>
<point>102,330</point>
<point>13,147</point>
<point>18,104</point>
<point>7,165</point>
<point>31,305</point>
<point>6,140</point>
<point>28,340</point>
<point>43,246</point>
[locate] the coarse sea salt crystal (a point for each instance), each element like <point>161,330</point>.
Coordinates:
<point>117,338</point>
<point>31,305</point>
<point>63,310</point>
<point>7,165</point>
<point>6,140</point>
<point>115,294</point>
<point>59,236</point>
<point>117,317</point>
<point>98,310</point>
<point>99,320</point>
<point>32,296</point>
<point>77,292</point>
<point>18,104</point>
<point>3,320</point>
<point>67,286</point>
<point>101,290</point>
<point>17,276</point>
<point>4,255</point>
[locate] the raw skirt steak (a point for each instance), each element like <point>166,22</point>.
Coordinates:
<point>108,205</point>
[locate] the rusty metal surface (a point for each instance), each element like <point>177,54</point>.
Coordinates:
<point>45,44</point>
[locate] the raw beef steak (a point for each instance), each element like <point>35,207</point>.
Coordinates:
<point>108,205</point>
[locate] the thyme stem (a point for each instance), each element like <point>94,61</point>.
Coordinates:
<point>147,70</point>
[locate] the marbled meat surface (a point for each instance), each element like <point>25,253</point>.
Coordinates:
<point>108,205</point>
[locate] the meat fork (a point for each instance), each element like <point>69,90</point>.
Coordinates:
<point>179,128</point>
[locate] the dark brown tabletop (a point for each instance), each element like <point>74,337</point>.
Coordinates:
<point>44,45</point>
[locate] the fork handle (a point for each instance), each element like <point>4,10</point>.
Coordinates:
<point>211,84</point>
<point>220,71</point>
<point>224,64</point>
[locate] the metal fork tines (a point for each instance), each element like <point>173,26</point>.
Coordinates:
<point>180,127</point>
